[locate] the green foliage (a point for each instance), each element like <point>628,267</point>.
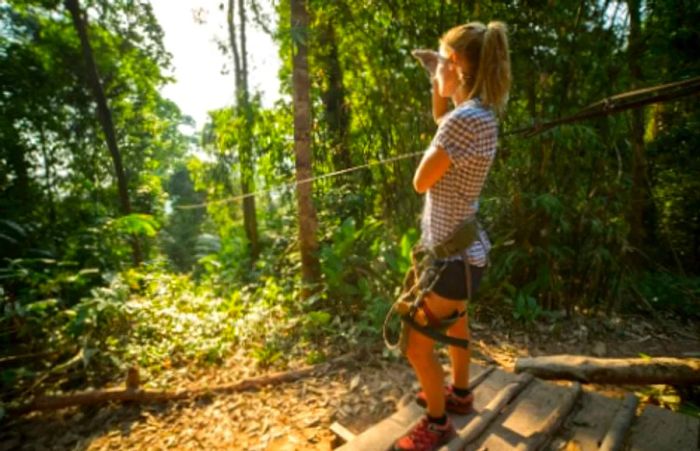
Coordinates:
<point>675,188</point>
<point>58,239</point>
<point>267,353</point>
<point>179,235</point>
<point>50,120</point>
<point>135,224</point>
<point>668,397</point>
<point>525,307</point>
<point>670,292</point>
<point>148,318</point>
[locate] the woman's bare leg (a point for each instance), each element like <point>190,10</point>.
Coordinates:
<point>430,375</point>
<point>420,354</point>
<point>460,357</point>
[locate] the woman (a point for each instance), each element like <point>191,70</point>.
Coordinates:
<point>474,71</point>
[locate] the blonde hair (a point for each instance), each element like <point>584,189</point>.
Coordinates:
<point>486,50</point>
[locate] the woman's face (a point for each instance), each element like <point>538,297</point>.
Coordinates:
<point>446,72</point>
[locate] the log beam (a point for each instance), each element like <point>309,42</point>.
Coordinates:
<point>656,370</point>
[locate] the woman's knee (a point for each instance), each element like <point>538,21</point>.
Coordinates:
<point>459,329</point>
<point>419,347</point>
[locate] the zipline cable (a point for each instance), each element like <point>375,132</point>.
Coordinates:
<point>301,182</point>
<point>610,105</point>
<point>620,102</point>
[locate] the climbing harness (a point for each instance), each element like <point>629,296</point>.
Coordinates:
<point>427,265</point>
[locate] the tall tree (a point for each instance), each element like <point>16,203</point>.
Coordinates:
<point>333,96</point>
<point>104,114</point>
<point>640,193</point>
<point>245,145</point>
<point>302,146</point>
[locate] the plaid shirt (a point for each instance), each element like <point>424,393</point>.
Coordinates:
<point>468,134</point>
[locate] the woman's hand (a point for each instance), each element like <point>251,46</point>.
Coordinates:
<point>428,59</point>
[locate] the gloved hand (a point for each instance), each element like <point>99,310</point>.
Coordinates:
<point>428,59</point>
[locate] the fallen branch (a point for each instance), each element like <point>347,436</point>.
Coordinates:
<point>133,394</point>
<point>656,370</point>
<point>14,359</point>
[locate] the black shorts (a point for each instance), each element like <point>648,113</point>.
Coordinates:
<point>452,283</point>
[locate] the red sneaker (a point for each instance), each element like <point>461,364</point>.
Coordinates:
<point>460,405</point>
<point>426,436</point>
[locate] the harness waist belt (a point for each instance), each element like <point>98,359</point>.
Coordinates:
<point>461,239</point>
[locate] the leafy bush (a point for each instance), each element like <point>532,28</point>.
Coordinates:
<point>524,305</point>
<point>560,241</point>
<point>363,269</point>
<point>669,292</point>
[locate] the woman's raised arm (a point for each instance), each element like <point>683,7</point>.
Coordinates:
<point>439,103</point>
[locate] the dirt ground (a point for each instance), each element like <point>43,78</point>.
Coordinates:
<point>297,416</point>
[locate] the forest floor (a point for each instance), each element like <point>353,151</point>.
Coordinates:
<point>297,416</point>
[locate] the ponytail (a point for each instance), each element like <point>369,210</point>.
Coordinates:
<point>486,50</point>
<point>493,77</point>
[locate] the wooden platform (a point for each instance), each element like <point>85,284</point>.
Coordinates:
<point>524,413</point>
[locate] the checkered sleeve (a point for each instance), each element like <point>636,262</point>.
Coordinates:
<point>462,135</point>
<point>456,135</point>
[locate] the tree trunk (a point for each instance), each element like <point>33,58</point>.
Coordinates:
<point>104,115</point>
<point>302,149</point>
<point>337,117</point>
<point>639,193</point>
<point>656,370</point>
<point>49,188</point>
<point>249,216</point>
<point>245,148</point>
<point>244,52</point>
<point>234,47</point>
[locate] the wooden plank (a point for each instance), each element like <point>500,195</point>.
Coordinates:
<point>586,428</point>
<point>382,435</point>
<point>624,416</point>
<point>481,422</point>
<point>524,418</point>
<point>342,432</point>
<point>555,420</point>
<point>658,429</point>
<point>485,393</point>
